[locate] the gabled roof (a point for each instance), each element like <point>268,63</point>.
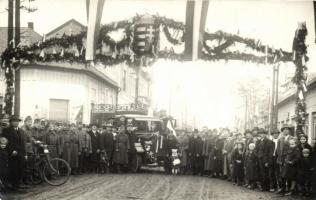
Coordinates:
<point>28,37</point>
<point>66,24</point>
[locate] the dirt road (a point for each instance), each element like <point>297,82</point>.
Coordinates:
<point>151,186</point>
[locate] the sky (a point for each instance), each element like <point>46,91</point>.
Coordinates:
<point>207,87</point>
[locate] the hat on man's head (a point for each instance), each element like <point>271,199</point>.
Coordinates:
<point>275,131</point>
<point>5,116</point>
<point>255,129</point>
<point>15,118</point>
<point>247,131</point>
<point>262,131</point>
<point>286,126</point>
<point>28,118</point>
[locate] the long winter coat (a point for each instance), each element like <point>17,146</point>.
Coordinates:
<point>251,166</point>
<point>71,149</point>
<point>53,144</point>
<point>4,164</point>
<point>183,147</point>
<point>238,166</point>
<point>227,152</point>
<point>121,147</point>
<point>206,152</point>
<point>29,140</point>
<point>85,141</point>
<point>293,155</point>
<point>305,172</point>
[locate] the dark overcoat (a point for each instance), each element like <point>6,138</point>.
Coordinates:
<point>121,147</point>
<point>292,158</point>
<point>251,166</point>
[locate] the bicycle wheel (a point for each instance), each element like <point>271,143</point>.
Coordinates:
<point>56,172</point>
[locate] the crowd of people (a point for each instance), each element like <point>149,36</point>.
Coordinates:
<point>279,162</point>
<point>87,149</point>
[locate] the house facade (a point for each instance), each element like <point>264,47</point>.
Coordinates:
<point>286,109</point>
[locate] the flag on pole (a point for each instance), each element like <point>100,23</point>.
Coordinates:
<point>196,13</point>
<point>170,127</point>
<point>94,15</point>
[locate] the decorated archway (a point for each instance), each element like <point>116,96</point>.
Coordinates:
<point>139,46</point>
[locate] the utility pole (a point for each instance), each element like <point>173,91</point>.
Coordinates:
<point>272,102</point>
<point>10,21</point>
<point>137,85</point>
<point>17,71</point>
<point>276,96</point>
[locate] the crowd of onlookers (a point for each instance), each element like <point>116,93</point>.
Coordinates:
<point>280,162</point>
<point>87,149</point>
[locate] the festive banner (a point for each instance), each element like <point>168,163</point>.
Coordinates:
<point>196,13</point>
<point>94,13</point>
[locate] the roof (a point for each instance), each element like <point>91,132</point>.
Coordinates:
<point>69,22</point>
<point>90,71</point>
<point>28,36</point>
<point>311,83</point>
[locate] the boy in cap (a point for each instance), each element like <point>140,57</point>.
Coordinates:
<point>305,173</point>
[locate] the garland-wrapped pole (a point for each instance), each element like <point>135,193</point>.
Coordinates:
<point>300,58</point>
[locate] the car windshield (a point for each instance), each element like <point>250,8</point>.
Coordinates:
<point>147,126</point>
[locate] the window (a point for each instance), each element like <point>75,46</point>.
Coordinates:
<point>124,81</point>
<point>58,109</point>
<point>93,95</point>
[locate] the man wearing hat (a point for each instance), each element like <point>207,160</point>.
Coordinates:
<point>86,148</point>
<point>274,170</point>
<point>17,152</point>
<point>95,144</point>
<point>132,140</point>
<point>282,147</point>
<point>107,142</point>
<point>264,153</point>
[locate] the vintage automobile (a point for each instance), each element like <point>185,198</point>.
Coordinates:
<point>152,140</point>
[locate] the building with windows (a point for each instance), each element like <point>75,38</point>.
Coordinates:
<point>286,108</point>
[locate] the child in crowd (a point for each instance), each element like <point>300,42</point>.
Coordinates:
<point>238,164</point>
<point>305,173</point>
<point>4,159</point>
<point>251,166</point>
<point>292,158</point>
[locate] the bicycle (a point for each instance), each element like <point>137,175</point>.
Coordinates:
<point>53,171</point>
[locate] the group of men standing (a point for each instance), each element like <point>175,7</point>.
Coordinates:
<point>86,149</point>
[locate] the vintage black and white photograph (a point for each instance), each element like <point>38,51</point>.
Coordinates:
<point>157,100</point>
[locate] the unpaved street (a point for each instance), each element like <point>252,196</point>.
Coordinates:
<point>143,186</point>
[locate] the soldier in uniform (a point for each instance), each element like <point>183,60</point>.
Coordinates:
<point>29,146</point>
<point>107,143</point>
<point>122,146</point>
<point>86,148</point>
<point>132,140</point>
<point>4,123</point>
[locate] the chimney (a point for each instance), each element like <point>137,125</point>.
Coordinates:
<point>30,25</point>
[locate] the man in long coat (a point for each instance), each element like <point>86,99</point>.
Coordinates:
<point>71,149</point>
<point>53,143</point>
<point>95,144</point>
<point>121,148</point>
<point>132,140</point>
<point>283,145</point>
<point>264,152</point>
<point>17,152</point>
<point>107,143</point>
<point>86,149</point>
<point>207,149</point>
<point>184,147</point>
<point>195,153</point>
